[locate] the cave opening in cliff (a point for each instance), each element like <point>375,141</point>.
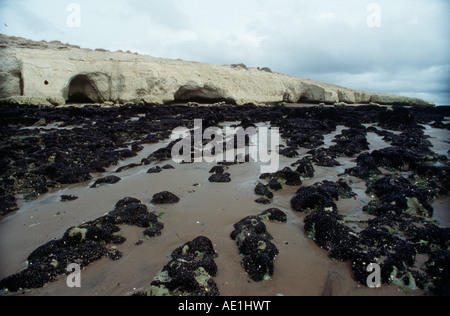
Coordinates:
<point>83,90</point>
<point>202,95</point>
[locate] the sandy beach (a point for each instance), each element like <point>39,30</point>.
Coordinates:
<point>208,209</point>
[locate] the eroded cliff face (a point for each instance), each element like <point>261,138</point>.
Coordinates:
<point>55,74</point>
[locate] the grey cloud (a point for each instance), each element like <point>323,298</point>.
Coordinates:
<point>323,40</point>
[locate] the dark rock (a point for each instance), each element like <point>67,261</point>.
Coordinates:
<point>84,245</point>
<point>327,230</point>
<point>68,198</point>
<point>310,199</point>
<point>366,167</point>
<point>434,177</point>
<point>264,201</point>
<point>165,198</point>
<point>249,226</point>
<point>323,158</point>
<point>396,158</point>
<point>7,203</point>
<point>127,167</point>
<point>189,273</point>
<point>275,185</point>
<point>438,269</point>
<point>305,168</point>
<point>321,196</point>
<point>255,246</point>
<point>402,196</point>
<point>156,169</point>
<point>286,176</point>
<point>106,180</point>
<point>261,189</point>
<point>351,142</point>
<point>274,215</point>
<point>289,152</point>
<point>220,178</point>
<point>64,173</point>
<point>217,170</point>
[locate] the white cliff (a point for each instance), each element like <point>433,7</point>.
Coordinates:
<point>55,73</point>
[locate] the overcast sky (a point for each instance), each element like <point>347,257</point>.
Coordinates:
<point>393,46</point>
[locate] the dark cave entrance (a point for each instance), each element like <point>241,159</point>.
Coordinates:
<point>83,90</point>
<point>202,95</point>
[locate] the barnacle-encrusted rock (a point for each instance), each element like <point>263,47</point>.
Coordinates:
<point>189,273</point>
<point>83,244</point>
<point>320,196</point>
<point>255,246</point>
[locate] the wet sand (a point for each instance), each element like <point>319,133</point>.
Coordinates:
<point>210,210</point>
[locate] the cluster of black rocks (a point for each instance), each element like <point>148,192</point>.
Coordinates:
<point>402,233</point>
<point>83,245</point>
<point>45,148</point>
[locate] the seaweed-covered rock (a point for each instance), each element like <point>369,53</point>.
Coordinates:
<point>262,190</point>
<point>310,199</point>
<point>324,158</point>
<point>7,203</point>
<point>438,269</point>
<point>328,230</point>
<point>44,269</point>
<point>131,211</point>
<point>305,168</point>
<point>156,169</point>
<point>393,241</point>
<point>320,196</point>
<point>127,167</point>
<point>218,169</point>
<point>83,244</point>
<point>106,180</point>
<point>220,178</point>
<point>165,198</point>
<point>286,176</point>
<point>289,152</point>
<point>263,200</point>
<point>305,140</point>
<point>68,198</point>
<point>351,142</point>
<point>274,185</point>
<point>399,195</point>
<point>274,215</point>
<point>399,158</point>
<point>189,273</point>
<point>64,173</point>
<point>434,177</point>
<point>366,167</point>
<point>254,243</point>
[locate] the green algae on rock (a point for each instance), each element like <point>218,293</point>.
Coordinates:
<point>255,246</point>
<point>189,273</point>
<point>83,245</point>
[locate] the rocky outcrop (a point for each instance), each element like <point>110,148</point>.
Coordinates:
<point>55,74</point>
